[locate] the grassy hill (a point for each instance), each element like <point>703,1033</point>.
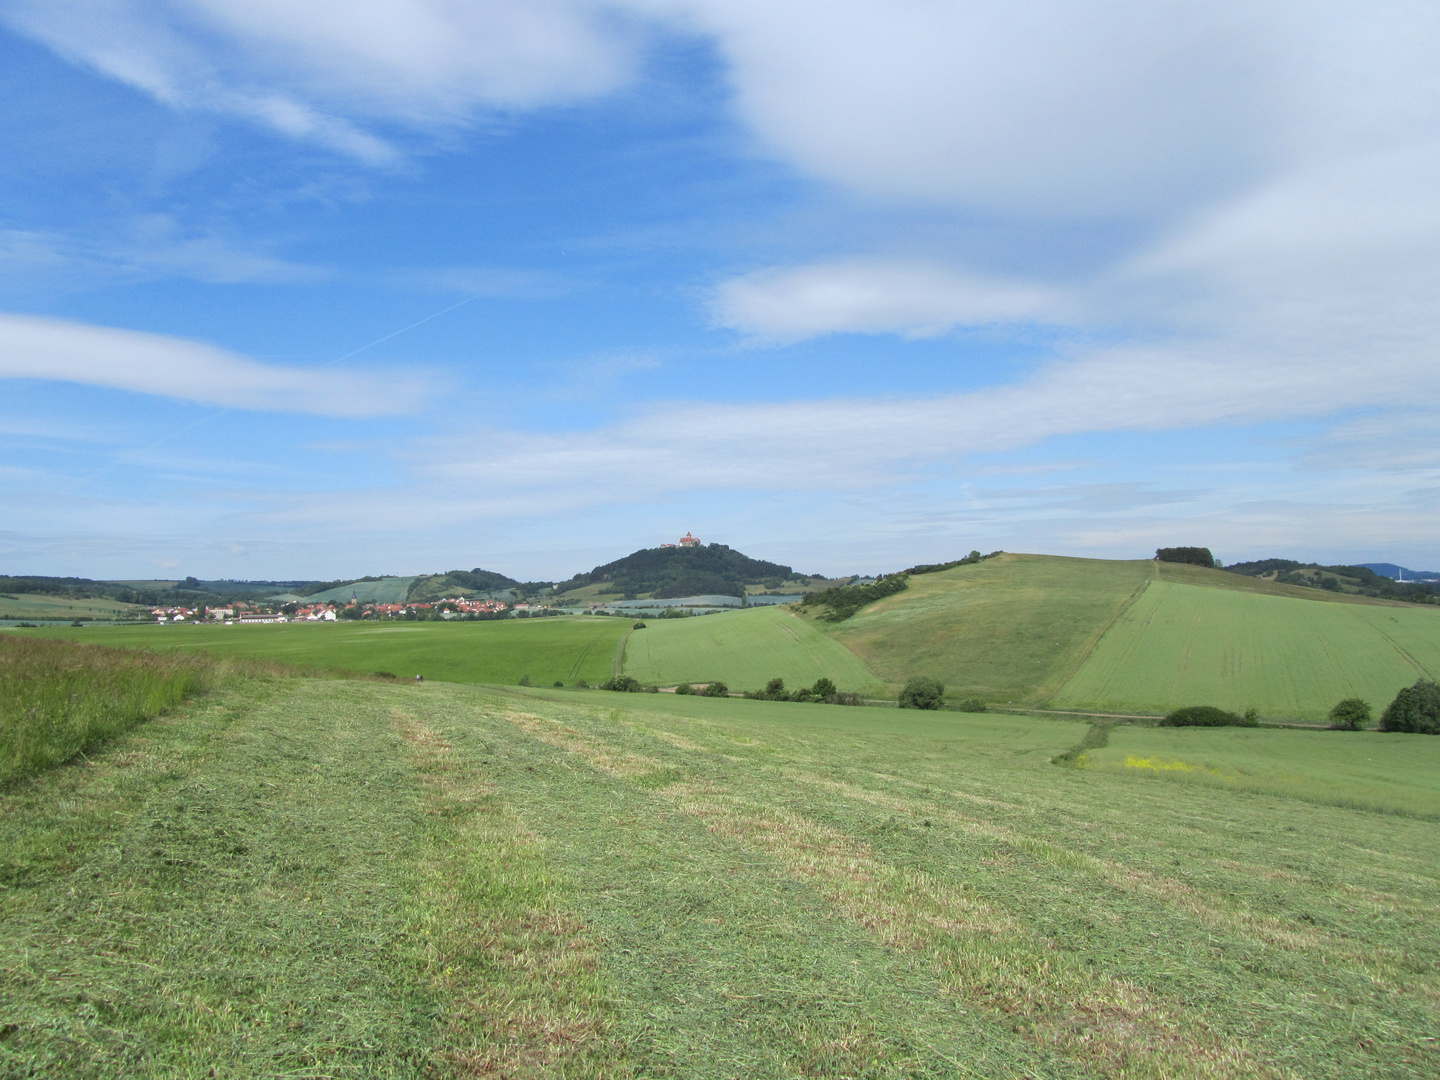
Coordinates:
<point>743,649</point>
<point>1142,636</point>
<point>1289,657</point>
<point>1011,628</point>
<point>567,649</point>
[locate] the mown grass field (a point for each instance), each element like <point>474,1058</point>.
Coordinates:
<point>302,878</point>
<point>1389,773</point>
<point>744,649</point>
<point>1182,644</point>
<point>1011,628</point>
<point>502,651</point>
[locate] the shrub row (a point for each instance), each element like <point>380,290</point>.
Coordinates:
<point>1416,709</point>
<point>845,600</point>
<point>823,692</point>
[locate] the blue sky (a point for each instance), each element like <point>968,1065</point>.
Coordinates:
<point>327,289</point>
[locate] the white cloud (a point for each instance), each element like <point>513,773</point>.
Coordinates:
<point>311,70</point>
<point>916,299</point>
<point>52,349</point>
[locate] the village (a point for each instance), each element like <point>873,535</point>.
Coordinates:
<point>448,608</point>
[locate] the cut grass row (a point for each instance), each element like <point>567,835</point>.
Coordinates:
<point>347,879</point>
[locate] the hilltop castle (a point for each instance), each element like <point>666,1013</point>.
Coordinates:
<point>685,541</point>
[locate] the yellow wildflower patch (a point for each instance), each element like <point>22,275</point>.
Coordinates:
<point>1133,762</point>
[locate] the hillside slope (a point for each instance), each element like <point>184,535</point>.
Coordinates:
<point>390,590</point>
<point>744,649</point>
<point>1181,644</point>
<point>1011,628</point>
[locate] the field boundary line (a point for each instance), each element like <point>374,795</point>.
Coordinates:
<point>1094,641</point>
<point>617,662</point>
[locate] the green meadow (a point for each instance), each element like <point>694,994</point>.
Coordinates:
<point>744,649</point>
<point>292,877</point>
<point>1181,644</point>
<point>1373,770</point>
<point>501,651</point>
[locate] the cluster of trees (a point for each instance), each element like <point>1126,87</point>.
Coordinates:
<point>1195,556</point>
<point>1416,709</point>
<point>689,571</point>
<point>823,692</point>
<point>843,601</point>
<point>1335,578</point>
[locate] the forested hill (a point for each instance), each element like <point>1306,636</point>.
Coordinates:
<point>470,583</point>
<point>684,571</point>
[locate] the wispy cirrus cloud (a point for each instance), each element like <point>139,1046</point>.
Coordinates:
<point>322,71</point>
<point>65,351</point>
<point>146,248</point>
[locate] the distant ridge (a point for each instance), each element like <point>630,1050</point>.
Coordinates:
<point>1392,571</point>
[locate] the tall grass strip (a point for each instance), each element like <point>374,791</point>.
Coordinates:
<point>59,699</point>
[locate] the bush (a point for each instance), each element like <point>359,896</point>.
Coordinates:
<point>973,704</point>
<point>823,689</point>
<point>386,675</point>
<point>684,688</point>
<point>524,680</point>
<point>774,691</point>
<point>638,625</point>
<point>1352,714</point>
<point>625,684</point>
<point>717,689</point>
<point>1416,709</point>
<point>582,685</point>
<point>1209,716</point>
<point>559,682</point>
<point>922,693</point>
